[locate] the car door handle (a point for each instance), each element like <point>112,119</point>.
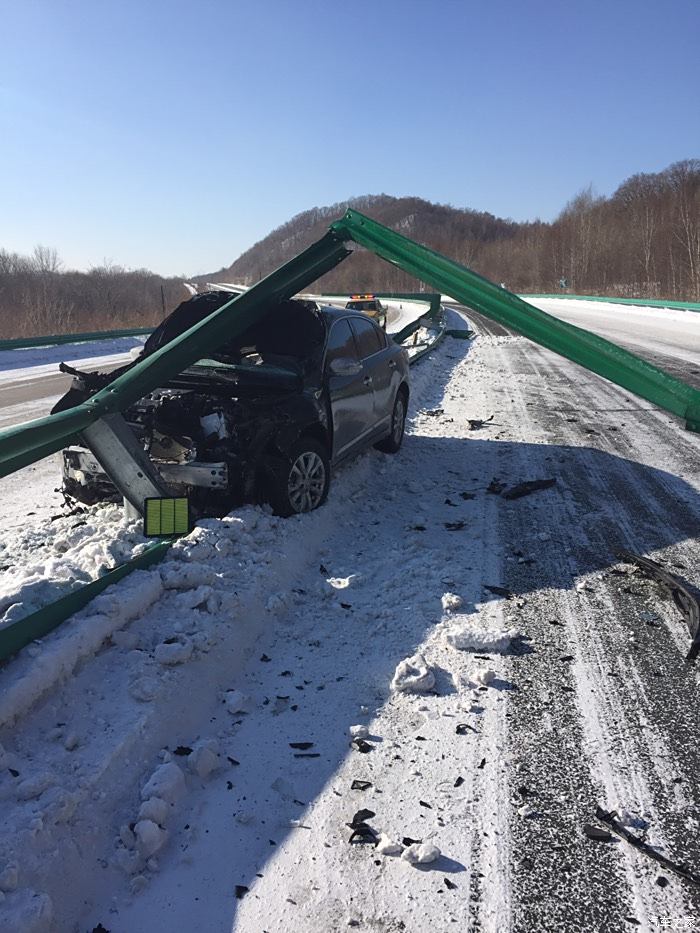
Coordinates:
<point>367,380</point>
<point>392,364</point>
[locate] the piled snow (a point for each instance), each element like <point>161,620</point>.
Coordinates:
<point>467,637</point>
<point>421,853</point>
<point>46,563</point>
<point>413,675</point>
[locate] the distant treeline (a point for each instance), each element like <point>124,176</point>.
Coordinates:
<point>643,241</point>
<point>37,297</point>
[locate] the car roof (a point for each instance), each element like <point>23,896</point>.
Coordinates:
<point>331,313</point>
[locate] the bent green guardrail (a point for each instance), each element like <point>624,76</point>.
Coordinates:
<point>27,443</point>
<point>593,352</point>
<point>639,302</point>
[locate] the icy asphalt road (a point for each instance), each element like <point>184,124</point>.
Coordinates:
<point>593,705</point>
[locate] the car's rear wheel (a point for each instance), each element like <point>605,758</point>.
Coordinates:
<point>301,482</point>
<point>392,443</point>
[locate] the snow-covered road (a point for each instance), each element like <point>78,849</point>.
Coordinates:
<point>196,772</point>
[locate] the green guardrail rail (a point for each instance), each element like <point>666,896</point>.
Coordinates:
<point>16,635</point>
<point>640,302</point>
<point>593,352</point>
<point>55,340</point>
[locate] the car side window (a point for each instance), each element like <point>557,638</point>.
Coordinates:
<point>341,342</point>
<point>369,338</point>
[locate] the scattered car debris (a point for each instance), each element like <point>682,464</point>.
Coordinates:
<point>434,412</point>
<point>307,755</point>
<point>476,424</point>
<point>459,781</point>
<point>495,487</point>
<point>182,750</point>
<point>362,746</point>
<point>528,487</point>
<point>407,841</point>
<point>450,885</point>
<point>467,495</point>
<point>413,675</point>
<point>424,804</point>
<point>241,891</point>
<point>455,526</point>
<point>302,746</point>
<point>264,658</point>
<point>361,829</point>
<point>360,785</point>
<point>481,764</point>
<point>609,818</point>
<point>683,597</point>
<point>464,727</point>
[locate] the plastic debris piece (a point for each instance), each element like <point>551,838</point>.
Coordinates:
<point>594,832</point>
<point>455,526</point>
<point>302,746</point>
<point>360,785</point>
<point>476,423</point>
<point>464,727</point>
<point>528,487</point>
<point>241,891</point>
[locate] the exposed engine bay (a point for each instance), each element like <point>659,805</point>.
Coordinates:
<point>215,430</point>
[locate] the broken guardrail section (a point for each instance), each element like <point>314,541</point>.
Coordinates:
<point>593,352</point>
<point>27,443</point>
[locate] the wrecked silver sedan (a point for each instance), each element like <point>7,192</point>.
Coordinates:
<point>267,417</point>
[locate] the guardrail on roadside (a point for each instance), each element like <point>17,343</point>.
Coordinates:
<point>55,340</point>
<point>640,302</point>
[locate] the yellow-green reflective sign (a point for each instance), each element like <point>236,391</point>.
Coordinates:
<point>164,517</point>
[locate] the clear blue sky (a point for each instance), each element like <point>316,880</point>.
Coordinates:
<point>174,135</point>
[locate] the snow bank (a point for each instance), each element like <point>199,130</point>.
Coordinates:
<point>468,637</point>
<point>413,675</point>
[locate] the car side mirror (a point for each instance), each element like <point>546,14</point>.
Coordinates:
<point>345,366</point>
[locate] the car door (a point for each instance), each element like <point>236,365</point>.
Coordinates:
<point>351,397</point>
<point>379,366</point>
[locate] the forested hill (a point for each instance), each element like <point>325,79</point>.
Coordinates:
<point>447,229</point>
<point>642,241</point>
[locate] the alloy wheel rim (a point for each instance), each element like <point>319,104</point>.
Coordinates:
<point>307,480</point>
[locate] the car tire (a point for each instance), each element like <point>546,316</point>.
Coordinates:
<point>300,482</point>
<point>392,443</point>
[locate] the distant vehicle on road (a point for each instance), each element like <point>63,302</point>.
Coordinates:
<point>367,304</point>
<point>267,417</point>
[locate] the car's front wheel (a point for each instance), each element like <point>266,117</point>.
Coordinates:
<point>301,482</point>
<point>392,443</point>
